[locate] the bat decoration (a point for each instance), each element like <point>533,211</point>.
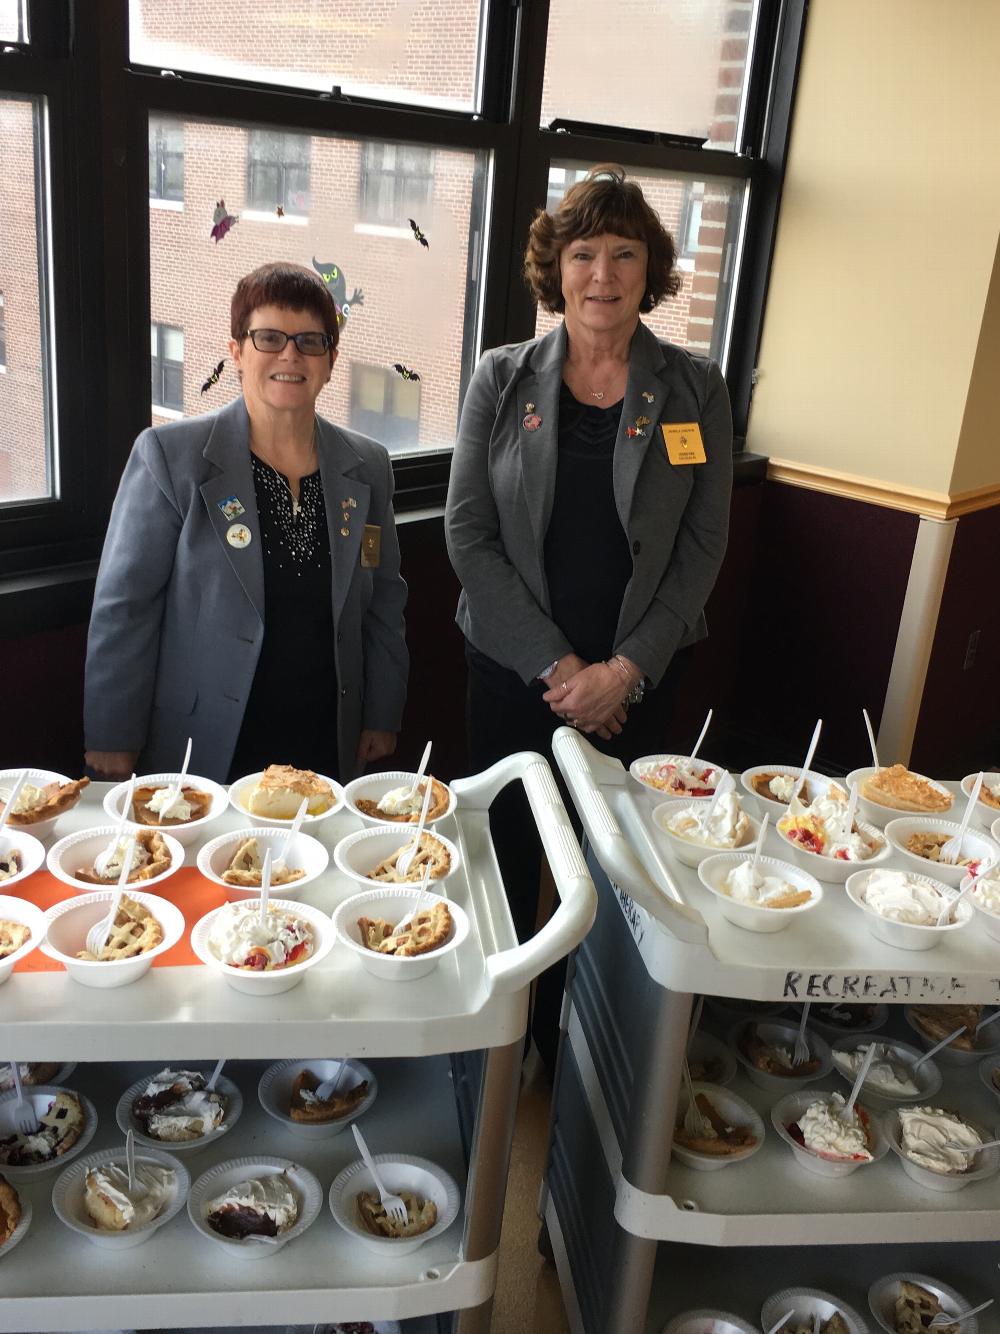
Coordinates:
<point>418,234</point>
<point>334,278</point>
<point>405,371</point>
<point>213,378</point>
<point>280,211</point>
<point>222,221</point>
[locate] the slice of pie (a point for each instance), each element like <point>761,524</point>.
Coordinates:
<point>10,1210</point>
<point>58,1130</point>
<point>437,807</point>
<point>373,931</point>
<point>262,1206</point>
<point>723,1140</point>
<point>135,931</point>
<point>199,802</point>
<point>421,1215</point>
<point>10,863</point>
<point>427,930</point>
<point>772,1059</point>
<point>305,1106</point>
<point>937,1021</point>
<point>916,1308</point>
<point>761,784</point>
<point>280,790</point>
<point>247,868</point>
<point>152,858</point>
<point>43,803</point>
<point>12,936</point>
<point>901,790</point>
<point>31,1072</point>
<point>431,853</point>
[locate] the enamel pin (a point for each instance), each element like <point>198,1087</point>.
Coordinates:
<point>647,396</point>
<point>231,507</point>
<point>239,536</point>
<point>532,422</point>
<point>637,430</point>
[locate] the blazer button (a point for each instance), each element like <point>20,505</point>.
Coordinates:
<point>343,690</point>
<point>636,548</point>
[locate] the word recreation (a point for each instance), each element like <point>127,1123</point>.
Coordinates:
<point>878,986</point>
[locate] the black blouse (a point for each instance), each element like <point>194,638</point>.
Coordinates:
<point>291,716</point>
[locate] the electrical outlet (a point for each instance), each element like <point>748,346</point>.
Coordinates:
<point>971,649</point>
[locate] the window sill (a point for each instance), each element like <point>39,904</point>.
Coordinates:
<point>259,215</point>
<point>169,205</point>
<point>171,414</point>
<point>380,229</point>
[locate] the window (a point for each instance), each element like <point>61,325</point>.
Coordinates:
<point>13,21</point>
<point>689,231</point>
<point>166,159</point>
<point>3,333</point>
<point>560,180</point>
<point>278,172</point>
<point>397,182</point>
<point>166,344</point>
<point>385,406</point>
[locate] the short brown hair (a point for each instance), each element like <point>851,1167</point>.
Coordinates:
<point>604,202</point>
<point>283,284</point>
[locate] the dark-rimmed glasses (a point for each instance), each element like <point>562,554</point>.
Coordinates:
<point>273,340</point>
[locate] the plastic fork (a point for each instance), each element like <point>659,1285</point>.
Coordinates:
<point>415,786</point>
<point>25,1120</point>
<point>973,1148</point>
<point>404,922</point>
<point>694,1122</point>
<point>852,806</point>
<point>15,792</point>
<point>859,1079</point>
<point>778,1323</point>
<point>265,886</point>
<point>137,1188</point>
<point>944,916</point>
<point>392,1204</point>
<point>990,1019</point>
<point>405,859</point>
<point>175,788</point>
<point>209,1087</point>
<point>937,1047</point>
<point>871,739</point>
<point>808,760</point>
<point>760,844</point>
<point>688,764</point>
<point>325,1091</point>
<point>952,850</point>
<point>98,934</point>
<point>944,1319</point>
<point>279,862</point>
<point>126,809</point>
<point>699,1005</point>
<point>725,785</point>
<point>800,1052</point>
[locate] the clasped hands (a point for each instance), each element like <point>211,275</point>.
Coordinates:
<point>589,696</point>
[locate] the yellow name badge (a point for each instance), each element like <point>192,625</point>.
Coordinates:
<point>371,547</point>
<point>683,441</point>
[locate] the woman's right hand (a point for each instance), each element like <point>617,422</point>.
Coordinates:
<point>115,764</point>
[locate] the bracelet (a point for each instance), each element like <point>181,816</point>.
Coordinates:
<point>636,689</point>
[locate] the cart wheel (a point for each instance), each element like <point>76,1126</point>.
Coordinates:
<point>545,1245</point>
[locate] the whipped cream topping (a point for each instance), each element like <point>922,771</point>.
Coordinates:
<point>925,1131</point>
<point>108,864</point>
<point>987,895</point>
<point>821,827</point>
<point>271,1195</point>
<point>898,897</point>
<point>197,1108</point>
<point>825,1131</point>
<point>161,805</point>
<point>782,786</point>
<point>744,885</point>
<point>10,863</point>
<point>398,801</point>
<point>888,1072</point>
<point>28,799</point>
<point>238,930</point>
<point>727,826</point>
<point>674,774</point>
<point>993,789</point>
<point>136,1208</point>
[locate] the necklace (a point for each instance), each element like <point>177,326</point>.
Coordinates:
<point>296,506</point>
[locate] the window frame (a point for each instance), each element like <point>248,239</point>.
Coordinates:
<point>158,359</point>
<point>261,203</point>
<point>370,216</point>
<point>161,168</point>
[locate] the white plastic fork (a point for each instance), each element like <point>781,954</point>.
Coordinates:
<point>405,859</point>
<point>800,1052</point>
<point>694,1122</point>
<point>871,739</point>
<point>404,922</point>
<point>689,760</point>
<point>415,785</point>
<point>952,850</point>
<point>944,916</point>
<point>265,887</point>
<point>279,864</point>
<point>175,788</point>
<point>937,1047</point>
<point>859,1079</point>
<point>137,1188</point>
<point>990,1019</point>
<point>944,1319</point>
<point>325,1091</point>
<point>778,1323</point>
<point>214,1079</point>
<point>15,792</point>
<point>25,1120</point>
<point>808,760</point>
<point>98,934</point>
<point>973,1148</point>
<point>393,1205</point>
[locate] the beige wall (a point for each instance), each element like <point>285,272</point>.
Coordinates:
<point>886,245</point>
<point>978,461</point>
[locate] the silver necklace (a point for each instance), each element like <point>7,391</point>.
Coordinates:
<point>296,507</point>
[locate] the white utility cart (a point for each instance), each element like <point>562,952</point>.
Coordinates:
<point>639,1238</point>
<point>446,1050</point>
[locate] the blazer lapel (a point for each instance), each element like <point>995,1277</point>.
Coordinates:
<point>347,500</point>
<point>646,395</point>
<point>228,449</point>
<point>537,404</point>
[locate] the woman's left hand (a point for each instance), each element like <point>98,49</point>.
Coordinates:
<point>374,745</point>
<point>591,701</point>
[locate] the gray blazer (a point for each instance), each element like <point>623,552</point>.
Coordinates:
<point>500,499</point>
<point>178,617</point>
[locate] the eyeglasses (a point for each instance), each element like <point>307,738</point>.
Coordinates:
<point>273,340</point>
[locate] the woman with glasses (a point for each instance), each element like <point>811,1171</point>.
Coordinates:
<point>249,593</point>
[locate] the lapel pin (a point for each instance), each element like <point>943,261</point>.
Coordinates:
<point>231,507</point>
<point>642,421</point>
<point>532,422</point>
<point>633,431</point>
<point>345,532</point>
<point>529,407</point>
<point>239,536</point>
<point>647,396</point>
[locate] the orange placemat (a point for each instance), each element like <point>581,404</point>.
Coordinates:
<point>188,888</point>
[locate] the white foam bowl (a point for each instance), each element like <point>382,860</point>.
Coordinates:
<point>983,815</point>
<point>816,783</point>
<point>275,1094</point>
<point>77,852</point>
<point>127,1121</point>
<point>39,778</point>
<point>787,1111</point>
<point>736,1113</point>
<point>834,870</point>
<point>239,795</point>
<point>373,787</point>
<point>707,1320</point>
<point>883,1293</point>
<point>39,1097</point>
<point>780,1032</point>
<point>830,1029</point>
<point>873,811</point>
<point>58,1079</point>
<point>995,830</point>
<point>305,853</point>
<point>989,1042</point>
<point>392,904</point>
<point>905,935</point>
<point>986,1067</point>
<point>21,1231</point>
<point>32,855</point>
<point>26,914</point>
<point>360,852</point>
<point>975,845</point>
<point>687,852</point>
<point>399,1171</point>
<point>990,921</point>
<point>709,1051</point>
<point>220,1178</point>
<point>657,794</point>
<point>185,834</point>
<point>279,979</point>
<point>70,1189</point>
<point>70,921</point>
<point>927,1078</point>
<point>987,1160</point>
<point>804,1304</point>
<point>751,916</point>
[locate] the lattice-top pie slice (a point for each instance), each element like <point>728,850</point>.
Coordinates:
<point>247,868</point>
<point>421,1215</point>
<point>135,931</point>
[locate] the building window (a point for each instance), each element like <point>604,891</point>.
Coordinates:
<point>397,182</point>
<point>278,171</point>
<point>167,363</point>
<point>385,406</point>
<point>690,224</point>
<point>166,159</point>
<point>3,333</point>
<point>560,179</point>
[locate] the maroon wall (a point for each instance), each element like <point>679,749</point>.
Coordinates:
<point>42,677</point>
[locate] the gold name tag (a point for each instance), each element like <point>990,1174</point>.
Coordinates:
<point>371,547</point>
<point>683,441</point>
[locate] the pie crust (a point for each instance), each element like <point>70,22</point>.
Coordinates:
<point>318,1113</point>
<point>247,868</point>
<point>835,1325</point>
<point>427,931</point>
<point>156,850</point>
<point>280,790</point>
<point>12,936</point>
<point>927,845</point>
<point>437,808</point>
<point>200,803</point>
<point>421,1215</point>
<point>135,931</point>
<point>60,1128</point>
<point>101,1208</point>
<point>10,1210</point>
<point>431,852</point>
<point>916,1308</point>
<point>988,799</point>
<point>937,1021</point>
<point>59,797</point>
<point>763,1056</point>
<point>32,1072</point>
<point>901,790</point>
<point>727,1140</point>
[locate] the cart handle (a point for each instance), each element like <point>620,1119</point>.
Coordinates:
<point>581,765</point>
<point>512,970</point>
